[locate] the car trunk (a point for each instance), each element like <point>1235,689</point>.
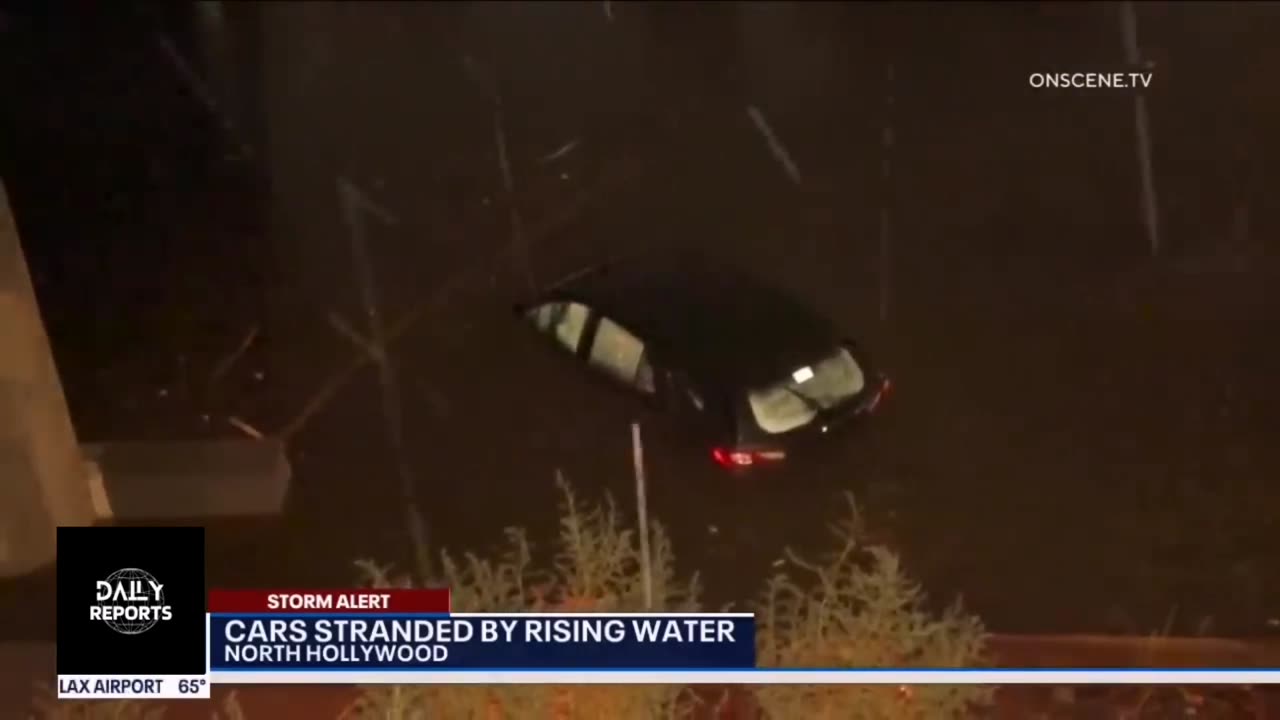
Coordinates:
<point>778,420</point>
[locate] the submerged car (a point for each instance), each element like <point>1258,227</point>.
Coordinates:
<point>743,370</point>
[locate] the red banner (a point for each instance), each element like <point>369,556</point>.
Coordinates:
<point>433,600</point>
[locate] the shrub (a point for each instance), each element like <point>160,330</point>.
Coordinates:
<point>595,568</point>
<point>862,611</point>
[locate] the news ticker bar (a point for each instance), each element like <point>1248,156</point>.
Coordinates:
<point>763,676</point>
<point>104,687</point>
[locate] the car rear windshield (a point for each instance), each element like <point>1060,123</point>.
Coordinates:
<point>796,400</point>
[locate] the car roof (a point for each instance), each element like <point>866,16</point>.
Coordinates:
<point>704,316</point>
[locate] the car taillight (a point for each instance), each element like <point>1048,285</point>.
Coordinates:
<point>745,458</point>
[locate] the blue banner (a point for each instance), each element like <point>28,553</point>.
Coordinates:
<point>481,642</point>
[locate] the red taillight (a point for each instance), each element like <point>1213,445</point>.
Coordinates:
<point>744,458</point>
<point>733,458</point>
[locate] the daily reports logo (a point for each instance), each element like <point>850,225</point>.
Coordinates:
<point>130,601</point>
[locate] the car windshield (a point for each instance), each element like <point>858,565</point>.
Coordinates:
<point>796,400</point>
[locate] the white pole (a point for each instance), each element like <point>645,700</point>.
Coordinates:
<point>1129,25</point>
<point>642,510</point>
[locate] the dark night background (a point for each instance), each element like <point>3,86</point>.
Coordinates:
<point>1084,436</point>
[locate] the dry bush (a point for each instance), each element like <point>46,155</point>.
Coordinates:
<point>860,610</point>
<point>595,568</point>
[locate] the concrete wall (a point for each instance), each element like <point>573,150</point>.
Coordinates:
<point>42,479</point>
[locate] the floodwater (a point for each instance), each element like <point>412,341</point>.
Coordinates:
<point>1082,435</point>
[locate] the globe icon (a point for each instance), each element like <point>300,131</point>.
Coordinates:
<point>145,621</point>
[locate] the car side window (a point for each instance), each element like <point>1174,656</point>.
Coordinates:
<point>621,355</point>
<point>563,321</point>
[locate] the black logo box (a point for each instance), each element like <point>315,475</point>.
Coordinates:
<point>174,557</point>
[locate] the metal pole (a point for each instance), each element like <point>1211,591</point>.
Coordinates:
<point>642,510</point>
<point>1150,215</point>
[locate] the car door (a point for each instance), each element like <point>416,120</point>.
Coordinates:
<point>618,364</point>
<point>622,360</point>
<point>678,416</point>
<point>689,427</point>
<point>693,410</point>
<point>563,412</point>
<point>613,386</point>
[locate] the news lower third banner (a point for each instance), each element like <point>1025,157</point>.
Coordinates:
<point>135,621</point>
<point>362,636</point>
<point>298,637</point>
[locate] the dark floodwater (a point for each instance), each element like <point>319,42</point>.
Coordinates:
<point>1083,437</point>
